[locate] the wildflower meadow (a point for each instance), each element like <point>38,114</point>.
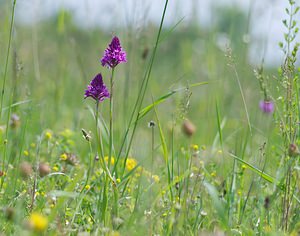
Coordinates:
<point>149,130</point>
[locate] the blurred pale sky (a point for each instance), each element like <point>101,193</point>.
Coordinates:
<point>266,17</point>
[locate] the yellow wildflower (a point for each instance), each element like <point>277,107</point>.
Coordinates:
<point>48,135</point>
<point>195,147</point>
<point>155,178</point>
<point>87,187</point>
<point>64,156</point>
<point>112,160</point>
<point>67,133</point>
<point>213,174</point>
<point>114,233</point>
<point>38,222</point>
<point>130,164</point>
<point>55,168</point>
<point>26,153</point>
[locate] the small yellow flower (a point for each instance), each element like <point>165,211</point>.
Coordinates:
<point>112,160</point>
<point>67,133</point>
<point>118,180</point>
<point>213,174</point>
<point>87,187</point>
<point>130,164</point>
<point>239,192</point>
<point>155,178</point>
<point>48,135</point>
<point>63,156</point>
<point>114,233</point>
<point>55,168</point>
<point>38,222</point>
<point>268,229</point>
<point>244,167</point>
<point>26,153</point>
<point>195,147</point>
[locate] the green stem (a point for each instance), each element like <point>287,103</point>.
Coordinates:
<point>141,95</point>
<point>111,110</point>
<point>7,55</point>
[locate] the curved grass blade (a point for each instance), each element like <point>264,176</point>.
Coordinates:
<point>265,176</point>
<point>163,98</point>
<point>16,104</point>
<point>256,170</point>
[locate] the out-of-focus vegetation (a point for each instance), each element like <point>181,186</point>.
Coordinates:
<point>219,178</point>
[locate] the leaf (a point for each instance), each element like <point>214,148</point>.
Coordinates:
<point>219,206</point>
<point>16,104</point>
<point>255,169</point>
<point>145,110</point>
<point>163,98</point>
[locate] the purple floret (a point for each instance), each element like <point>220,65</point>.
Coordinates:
<point>97,89</point>
<point>114,54</point>
<point>266,106</point>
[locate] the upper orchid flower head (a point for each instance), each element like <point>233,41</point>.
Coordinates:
<point>113,54</point>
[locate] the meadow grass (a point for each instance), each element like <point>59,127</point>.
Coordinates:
<point>180,147</point>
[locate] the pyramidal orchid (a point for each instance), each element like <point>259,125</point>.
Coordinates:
<point>113,54</point>
<point>97,89</point>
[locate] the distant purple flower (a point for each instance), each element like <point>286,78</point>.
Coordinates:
<point>267,106</point>
<point>97,89</point>
<point>114,54</point>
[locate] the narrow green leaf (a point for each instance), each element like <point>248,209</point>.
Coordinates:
<point>163,98</point>
<point>255,169</point>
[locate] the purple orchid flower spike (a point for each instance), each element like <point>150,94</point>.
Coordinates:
<point>114,54</point>
<point>97,89</point>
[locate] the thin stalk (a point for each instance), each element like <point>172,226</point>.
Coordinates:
<point>104,166</point>
<point>152,161</point>
<point>289,121</point>
<point>7,55</point>
<point>89,167</point>
<point>111,111</point>
<point>142,93</point>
